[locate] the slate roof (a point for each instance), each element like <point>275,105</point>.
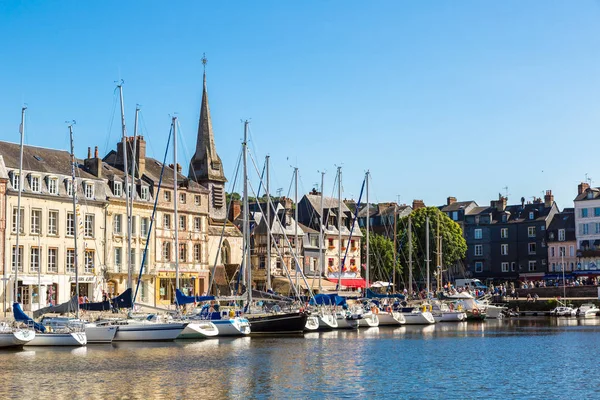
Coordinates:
<point>564,220</point>
<point>517,213</point>
<point>458,205</point>
<point>584,196</point>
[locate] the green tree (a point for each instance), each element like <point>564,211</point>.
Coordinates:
<point>454,246</point>
<point>382,256</point>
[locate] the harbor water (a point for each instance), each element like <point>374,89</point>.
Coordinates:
<point>537,358</point>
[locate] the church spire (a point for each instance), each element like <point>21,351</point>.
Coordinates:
<point>206,164</point>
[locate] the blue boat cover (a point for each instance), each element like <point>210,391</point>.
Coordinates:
<point>21,316</point>
<point>328,300</point>
<point>369,294</point>
<point>121,301</point>
<point>183,299</point>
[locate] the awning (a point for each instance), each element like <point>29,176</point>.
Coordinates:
<point>350,282</point>
<point>313,283</point>
<point>28,280</point>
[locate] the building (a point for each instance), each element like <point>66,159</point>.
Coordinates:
<point>456,210</point>
<point>587,225</point>
<point>381,217</point>
<point>309,214</point>
<point>562,244</point>
<point>3,264</point>
<point>507,242</point>
<point>46,253</point>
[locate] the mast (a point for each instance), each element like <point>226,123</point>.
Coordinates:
<point>438,254</point>
<point>268,266</point>
<point>367,225</point>
<point>16,252</point>
<point>562,255</point>
<point>39,274</point>
<point>395,246</point>
<point>427,253</point>
<point>339,226</point>
<point>410,261</point>
<point>246,222</point>
<point>127,189</point>
<point>321,238</point>
<point>296,221</point>
<point>75,226</point>
<point>175,202</point>
<point>133,185</point>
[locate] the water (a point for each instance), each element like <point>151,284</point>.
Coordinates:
<point>535,358</point>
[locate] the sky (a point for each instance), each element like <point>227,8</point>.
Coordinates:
<point>435,98</point>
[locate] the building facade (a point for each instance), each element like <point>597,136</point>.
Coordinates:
<point>562,244</point>
<point>587,225</point>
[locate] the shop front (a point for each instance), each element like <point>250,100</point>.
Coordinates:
<point>86,287</point>
<point>32,292</point>
<point>190,283</point>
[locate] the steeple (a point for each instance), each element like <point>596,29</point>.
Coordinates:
<point>206,165</point>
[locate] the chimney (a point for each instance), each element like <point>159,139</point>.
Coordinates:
<point>140,156</point>
<point>548,199</point>
<point>236,210</point>
<point>450,200</point>
<point>178,168</point>
<point>537,200</point>
<point>499,204</point>
<point>93,165</point>
<point>582,187</point>
<point>418,204</point>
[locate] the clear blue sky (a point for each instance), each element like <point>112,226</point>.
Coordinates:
<point>435,98</point>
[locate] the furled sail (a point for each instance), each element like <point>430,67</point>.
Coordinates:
<point>22,317</point>
<point>121,301</point>
<point>183,299</point>
<point>64,308</point>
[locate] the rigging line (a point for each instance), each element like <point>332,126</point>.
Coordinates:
<point>110,123</point>
<point>350,237</point>
<point>145,129</point>
<point>152,218</point>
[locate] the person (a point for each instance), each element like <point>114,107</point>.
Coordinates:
<point>529,297</point>
<point>80,299</point>
<point>535,297</point>
<point>104,296</point>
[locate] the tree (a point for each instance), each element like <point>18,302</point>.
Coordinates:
<point>382,256</point>
<point>454,246</point>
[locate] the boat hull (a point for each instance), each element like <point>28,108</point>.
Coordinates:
<point>17,338</point>
<point>278,323</point>
<point>100,334</point>
<point>450,316</point>
<point>312,323</point>
<point>368,320</point>
<point>232,327</point>
<point>344,322</point>
<point>199,330</point>
<point>390,319</point>
<point>148,332</point>
<point>418,318</point>
<point>327,322</point>
<point>71,339</point>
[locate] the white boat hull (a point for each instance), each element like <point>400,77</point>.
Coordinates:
<point>369,320</point>
<point>450,316</point>
<point>100,334</point>
<point>71,339</point>
<point>148,332</point>
<point>494,311</point>
<point>16,338</point>
<point>199,330</point>
<point>391,318</point>
<point>327,322</point>
<point>418,318</point>
<point>312,323</point>
<point>346,323</point>
<point>232,327</point>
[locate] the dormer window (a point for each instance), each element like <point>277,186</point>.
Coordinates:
<point>561,235</point>
<point>35,183</point>
<point>145,192</point>
<point>531,215</point>
<point>117,189</point>
<point>182,198</point>
<point>69,186</point>
<point>15,181</point>
<point>590,195</point>
<point>89,190</point>
<point>504,217</point>
<point>53,185</point>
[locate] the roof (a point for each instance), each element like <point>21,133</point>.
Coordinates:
<point>584,195</point>
<point>516,213</point>
<point>563,220</point>
<point>306,229</point>
<point>458,205</point>
<point>328,203</point>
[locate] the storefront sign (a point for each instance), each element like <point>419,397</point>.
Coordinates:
<point>84,279</point>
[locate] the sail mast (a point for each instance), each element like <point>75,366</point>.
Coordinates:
<point>339,226</point>
<point>321,238</point>
<point>427,253</point>
<point>127,189</point>
<point>18,232</point>
<point>367,226</point>
<point>296,222</point>
<point>175,202</point>
<point>395,246</point>
<point>410,261</point>
<point>268,266</point>
<point>246,222</point>
<point>75,226</point>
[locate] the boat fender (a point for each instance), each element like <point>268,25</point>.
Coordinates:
<point>231,313</point>
<point>388,309</point>
<point>475,311</point>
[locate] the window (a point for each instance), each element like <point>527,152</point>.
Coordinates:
<point>144,226</point>
<point>89,226</point>
<point>16,181</point>
<point>513,266</point>
<point>478,234</point>
<point>53,185</point>
<point>531,215</point>
<point>532,265</point>
<point>504,267</point>
<point>70,259</point>
<point>552,251</point>
<point>531,231</point>
<point>88,267</point>
<point>596,211</point>
<point>145,192</point>
<point>133,224</point>
<point>167,221</point>
<point>89,190</point>
<point>553,267</point>
<point>330,243</point>
<point>504,249</point>
<point>166,251</point>
<point>118,189</point>
<point>130,193</point>
<point>531,247</point>
<point>562,251</point>
<point>561,235</point>
<point>52,222</point>
<point>197,224</point>
<point>17,259</point>
<point>330,262</point>
<point>132,259</point>
<point>69,185</point>
<point>583,229</point>
<point>597,226</point>
<point>571,251</point>
<point>52,262</point>
<point>197,252</point>
<point>35,183</point>
<point>584,213</point>
<point>118,224</point>
<point>478,266</point>
<point>504,233</point>
<point>167,196</point>
<point>454,215</point>
<point>353,244</point>
<point>478,250</point>
<point>36,221</point>
<point>34,259</point>
<point>118,256</point>
<point>182,252</point>
<point>70,224</point>
<point>182,222</point>
<point>504,217</point>
<point>18,220</point>
<point>182,198</point>
<point>197,200</point>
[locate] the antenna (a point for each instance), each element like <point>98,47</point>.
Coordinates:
<point>204,61</point>
<point>588,179</point>
<point>506,194</point>
<point>279,192</point>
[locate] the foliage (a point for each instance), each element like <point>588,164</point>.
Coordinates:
<point>454,246</point>
<point>382,256</point>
